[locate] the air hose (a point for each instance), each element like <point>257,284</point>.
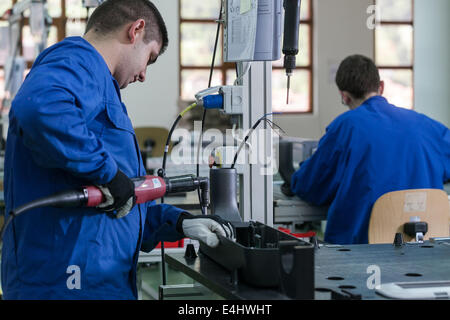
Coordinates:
<point>66,199</point>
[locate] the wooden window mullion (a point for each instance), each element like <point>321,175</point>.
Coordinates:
<point>398,67</point>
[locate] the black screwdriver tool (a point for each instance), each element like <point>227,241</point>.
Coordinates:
<point>290,40</point>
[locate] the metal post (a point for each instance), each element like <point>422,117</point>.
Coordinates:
<point>256,189</point>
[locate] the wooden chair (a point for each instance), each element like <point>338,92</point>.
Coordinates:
<point>393,209</point>
<point>158,135</point>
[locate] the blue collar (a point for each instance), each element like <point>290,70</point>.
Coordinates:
<point>100,57</point>
<point>375,99</point>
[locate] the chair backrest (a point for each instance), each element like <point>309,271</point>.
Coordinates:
<point>157,134</point>
<point>393,209</point>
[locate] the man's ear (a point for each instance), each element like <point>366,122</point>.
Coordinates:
<point>381,89</point>
<point>345,97</point>
<point>136,30</point>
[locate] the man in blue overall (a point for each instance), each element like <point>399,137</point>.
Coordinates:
<point>68,128</point>
<point>372,149</point>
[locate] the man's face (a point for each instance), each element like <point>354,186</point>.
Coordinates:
<point>134,65</point>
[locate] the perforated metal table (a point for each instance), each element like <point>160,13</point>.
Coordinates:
<point>350,268</point>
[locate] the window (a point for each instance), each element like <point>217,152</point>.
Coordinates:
<point>198,28</point>
<point>394,50</point>
<point>301,91</point>
<point>197,34</point>
<point>4,6</point>
<point>68,19</point>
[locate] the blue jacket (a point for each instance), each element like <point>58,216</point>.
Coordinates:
<point>68,128</point>
<point>365,153</point>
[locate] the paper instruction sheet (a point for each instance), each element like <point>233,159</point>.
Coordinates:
<point>240,37</point>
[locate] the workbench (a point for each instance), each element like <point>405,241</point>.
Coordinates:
<point>340,268</point>
<point>293,210</point>
<point>287,211</point>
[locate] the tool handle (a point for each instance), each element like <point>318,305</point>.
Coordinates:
<point>94,196</point>
<point>146,188</point>
<point>291,26</point>
<point>149,188</point>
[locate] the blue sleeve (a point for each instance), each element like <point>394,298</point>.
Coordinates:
<point>318,178</point>
<point>51,110</point>
<point>446,155</point>
<point>160,225</point>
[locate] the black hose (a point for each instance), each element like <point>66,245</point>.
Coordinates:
<point>63,199</point>
<point>163,173</point>
<point>166,148</point>
<point>200,142</point>
<point>169,137</point>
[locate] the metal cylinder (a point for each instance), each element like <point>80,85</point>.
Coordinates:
<point>223,191</point>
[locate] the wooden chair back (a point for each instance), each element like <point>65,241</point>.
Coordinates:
<point>393,209</point>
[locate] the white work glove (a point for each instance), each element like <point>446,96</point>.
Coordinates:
<point>205,228</point>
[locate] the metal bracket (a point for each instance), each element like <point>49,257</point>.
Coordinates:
<point>233,98</point>
<point>176,291</point>
<point>419,237</point>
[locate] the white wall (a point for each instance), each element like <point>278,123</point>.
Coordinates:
<point>154,102</point>
<point>432,59</point>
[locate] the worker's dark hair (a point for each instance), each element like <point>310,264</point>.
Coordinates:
<point>358,75</point>
<point>113,14</point>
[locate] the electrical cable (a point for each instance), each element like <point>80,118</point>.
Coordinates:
<point>273,124</point>
<point>239,78</point>
<point>169,136</point>
<point>166,149</point>
<point>264,117</point>
<point>163,174</point>
<point>200,142</point>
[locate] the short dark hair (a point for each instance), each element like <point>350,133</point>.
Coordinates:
<point>113,14</point>
<point>358,75</point>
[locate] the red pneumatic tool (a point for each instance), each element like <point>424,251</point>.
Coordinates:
<point>147,188</point>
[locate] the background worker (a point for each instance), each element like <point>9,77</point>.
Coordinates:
<point>68,128</point>
<point>372,149</point>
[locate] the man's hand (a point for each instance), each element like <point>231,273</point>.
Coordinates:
<point>286,190</point>
<point>119,194</point>
<point>205,228</point>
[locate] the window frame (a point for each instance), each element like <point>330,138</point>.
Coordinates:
<point>2,67</point>
<point>60,23</point>
<point>382,22</point>
<point>224,67</point>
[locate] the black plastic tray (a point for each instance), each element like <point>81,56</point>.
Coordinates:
<point>255,253</point>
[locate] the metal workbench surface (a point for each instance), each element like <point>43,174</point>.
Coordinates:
<point>351,268</point>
